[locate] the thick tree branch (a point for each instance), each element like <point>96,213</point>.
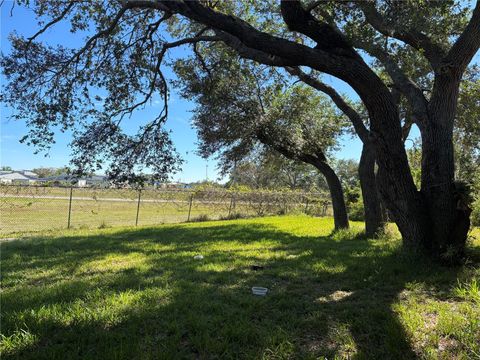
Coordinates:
<point>272,50</point>
<point>433,52</point>
<point>402,82</point>
<point>466,46</point>
<point>290,52</point>
<point>327,37</point>
<point>253,54</point>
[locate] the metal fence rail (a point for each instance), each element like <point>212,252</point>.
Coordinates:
<point>35,208</point>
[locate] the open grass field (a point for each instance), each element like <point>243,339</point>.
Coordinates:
<point>25,209</point>
<point>41,214</point>
<point>24,216</point>
<point>138,293</point>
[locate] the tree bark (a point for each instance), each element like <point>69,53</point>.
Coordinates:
<point>374,219</point>
<point>340,215</point>
<point>404,202</point>
<point>448,208</point>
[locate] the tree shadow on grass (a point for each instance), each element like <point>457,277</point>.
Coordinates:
<point>327,297</point>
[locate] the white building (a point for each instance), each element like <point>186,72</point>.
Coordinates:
<point>66,179</point>
<point>18,177</point>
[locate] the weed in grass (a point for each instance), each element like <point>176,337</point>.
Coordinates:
<point>103,225</point>
<point>18,340</point>
<point>469,291</point>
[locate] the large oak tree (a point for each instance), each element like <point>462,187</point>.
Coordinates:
<point>240,106</point>
<point>124,57</point>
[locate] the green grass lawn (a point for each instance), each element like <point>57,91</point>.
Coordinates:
<point>23,215</point>
<point>137,293</point>
<point>29,215</point>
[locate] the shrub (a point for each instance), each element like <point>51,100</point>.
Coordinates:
<point>356,212</point>
<point>475,217</point>
<point>233,216</point>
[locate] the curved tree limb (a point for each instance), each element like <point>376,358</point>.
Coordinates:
<point>433,52</point>
<point>402,82</point>
<point>328,38</point>
<point>64,13</point>
<point>463,50</point>
<point>353,115</point>
<point>284,52</point>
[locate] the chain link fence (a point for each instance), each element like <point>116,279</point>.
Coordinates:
<point>35,208</point>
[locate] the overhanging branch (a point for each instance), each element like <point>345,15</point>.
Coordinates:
<point>353,115</point>
<point>433,52</point>
<point>467,44</point>
<point>402,82</point>
<point>52,22</point>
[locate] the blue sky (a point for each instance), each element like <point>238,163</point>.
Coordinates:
<point>20,156</point>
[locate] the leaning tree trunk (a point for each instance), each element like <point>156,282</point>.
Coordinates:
<point>340,215</point>
<point>374,219</point>
<point>318,160</point>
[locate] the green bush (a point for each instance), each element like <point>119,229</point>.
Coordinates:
<point>355,211</point>
<point>475,217</point>
<point>233,216</point>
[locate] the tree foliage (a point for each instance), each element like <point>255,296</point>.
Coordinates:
<point>240,106</point>
<point>270,170</point>
<point>92,89</point>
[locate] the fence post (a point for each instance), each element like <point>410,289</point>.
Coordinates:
<point>70,207</point>
<point>190,207</point>
<point>231,204</point>
<point>138,206</point>
<point>306,204</point>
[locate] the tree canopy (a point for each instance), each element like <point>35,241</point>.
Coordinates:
<point>240,107</point>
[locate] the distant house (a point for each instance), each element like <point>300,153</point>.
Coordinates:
<point>66,179</point>
<point>173,185</point>
<point>22,177</point>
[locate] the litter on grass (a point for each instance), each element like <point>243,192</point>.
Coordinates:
<point>257,267</point>
<point>260,291</point>
<point>198,257</point>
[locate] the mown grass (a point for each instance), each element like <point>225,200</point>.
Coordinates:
<point>131,293</point>
<point>20,215</point>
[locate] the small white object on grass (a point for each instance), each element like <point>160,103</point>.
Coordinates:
<point>198,257</point>
<point>260,291</point>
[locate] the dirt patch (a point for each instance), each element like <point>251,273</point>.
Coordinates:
<point>335,296</point>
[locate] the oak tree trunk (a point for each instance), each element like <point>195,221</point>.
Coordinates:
<point>405,204</point>
<point>447,207</point>
<point>374,217</point>
<point>340,215</point>
<point>433,219</point>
